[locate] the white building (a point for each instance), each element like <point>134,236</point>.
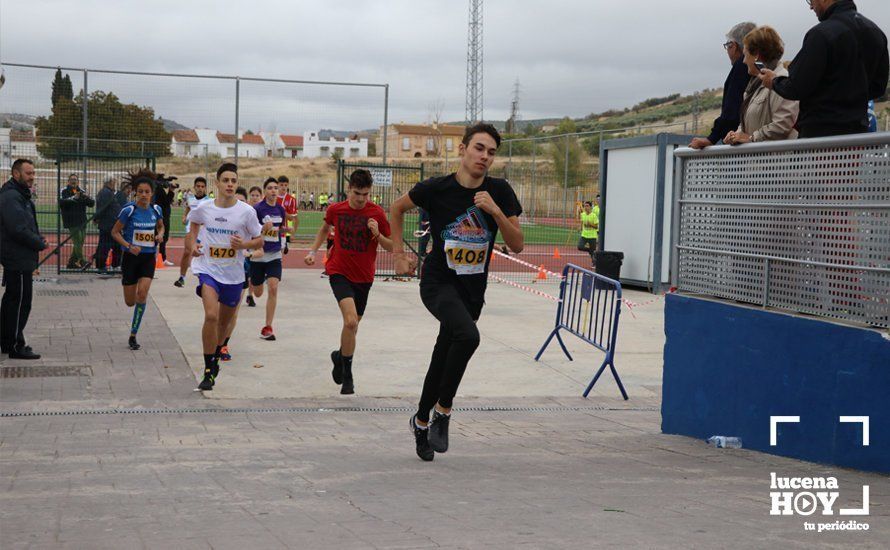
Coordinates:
<point>314,147</point>
<point>16,144</point>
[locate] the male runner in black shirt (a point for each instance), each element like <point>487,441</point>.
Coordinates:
<point>466,210</point>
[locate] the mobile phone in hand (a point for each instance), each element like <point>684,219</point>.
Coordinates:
<point>760,66</point>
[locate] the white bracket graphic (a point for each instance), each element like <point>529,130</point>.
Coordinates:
<point>859,420</point>
<point>773,420</point>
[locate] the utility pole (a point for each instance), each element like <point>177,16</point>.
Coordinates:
<point>512,126</point>
<point>473,111</point>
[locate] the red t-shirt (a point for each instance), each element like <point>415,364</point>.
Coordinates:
<point>289,202</point>
<point>354,254</point>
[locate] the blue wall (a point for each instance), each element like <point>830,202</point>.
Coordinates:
<point>728,368</point>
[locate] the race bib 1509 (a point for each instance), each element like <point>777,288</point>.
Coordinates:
<point>466,258</point>
<point>144,238</point>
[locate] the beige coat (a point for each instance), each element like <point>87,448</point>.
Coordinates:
<point>770,116</point>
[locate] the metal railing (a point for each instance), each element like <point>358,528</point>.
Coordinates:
<point>801,225</point>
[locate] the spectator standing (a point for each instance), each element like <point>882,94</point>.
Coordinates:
<point>107,210</point>
<point>73,203</point>
<point>20,245</point>
<point>766,116</point>
<point>842,64</point>
<point>733,88</point>
<point>163,197</point>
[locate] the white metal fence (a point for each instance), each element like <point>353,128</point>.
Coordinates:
<point>798,225</point>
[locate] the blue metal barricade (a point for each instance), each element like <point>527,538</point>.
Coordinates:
<point>589,307</point>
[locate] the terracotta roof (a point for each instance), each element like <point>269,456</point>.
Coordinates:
<point>225,138</point>
<point>252,138</point>
<point>292,141</point>
<point>185,136</point>
<point>18,135</point>
<point>424,130</point>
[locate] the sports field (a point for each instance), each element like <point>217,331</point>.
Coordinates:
<point>547,231</point>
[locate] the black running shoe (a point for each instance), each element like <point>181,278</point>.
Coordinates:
<point>207,383</point>
<point>347,388</point>
<point>337,371</point>
<point>180,282</point>
<point>134,345</point>
<point>422,444</point>
<point>250,302</point>
<point>439,431</point>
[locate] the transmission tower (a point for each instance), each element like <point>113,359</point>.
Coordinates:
<point>474,64</point>
<point>513,121</point>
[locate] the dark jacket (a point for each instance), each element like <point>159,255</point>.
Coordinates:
<point>842,64</point>
<point>108,206</point>
<point>74,207</point>
<point>164,198</point>
<point>20,240</point>
<point>733,95</point>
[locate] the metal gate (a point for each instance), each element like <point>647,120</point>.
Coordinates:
<point>390,183</point>
<point>74,243</point>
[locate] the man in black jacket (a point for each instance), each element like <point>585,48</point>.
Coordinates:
<point>20,243</point>
<point>164,195</point>
<point>733,88</point>
<point>842,64</point>
<point>73,203</point>
<point>107,210</point>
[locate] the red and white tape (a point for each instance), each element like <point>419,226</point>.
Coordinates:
<point>537,268</point>
<point>523,287</point>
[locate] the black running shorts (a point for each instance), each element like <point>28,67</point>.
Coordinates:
<point>137,266</point>
<point>344,288</point>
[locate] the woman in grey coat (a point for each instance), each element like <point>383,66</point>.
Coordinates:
<point>766,116</point>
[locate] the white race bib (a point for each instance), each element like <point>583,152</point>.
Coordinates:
<point>144,238</point>
<point>466,258</point>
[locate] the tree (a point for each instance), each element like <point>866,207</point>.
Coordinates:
<point>113,127</point>
<point>566,154</point>
<point>61,88</point>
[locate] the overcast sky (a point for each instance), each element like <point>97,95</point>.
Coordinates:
<point>572,57</point>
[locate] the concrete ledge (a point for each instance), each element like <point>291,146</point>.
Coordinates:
<point>728,368</point>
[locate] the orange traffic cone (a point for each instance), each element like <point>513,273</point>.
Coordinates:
<point>108,259</point>
<point>542,273</point>
<point>556,253</point>
<point>159,262</point>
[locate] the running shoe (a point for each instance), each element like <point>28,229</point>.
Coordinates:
<point>337,372</point>
<point>250,302</point>
<point>438,429</point>
<point>134,345</point>
<point>224,354</point>
<point>180,282</point>
<point>421,443</point>
<point>207,383</point>
<point>348,388</point>
<point>267,333</point>
<point>168,263</point>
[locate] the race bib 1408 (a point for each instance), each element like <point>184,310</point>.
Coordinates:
<point>466,258</point>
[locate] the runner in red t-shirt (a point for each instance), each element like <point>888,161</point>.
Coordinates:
<point>289,202</point>
<point>360,226</point>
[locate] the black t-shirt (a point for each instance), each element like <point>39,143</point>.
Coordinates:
<point>463,235</point>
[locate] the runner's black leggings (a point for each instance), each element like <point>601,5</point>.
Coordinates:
<point>457,341</point>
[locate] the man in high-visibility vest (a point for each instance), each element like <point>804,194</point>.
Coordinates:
<point>590,223</point>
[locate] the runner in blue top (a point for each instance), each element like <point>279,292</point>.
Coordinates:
<point>138,229</point>
<point>265,264</point>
